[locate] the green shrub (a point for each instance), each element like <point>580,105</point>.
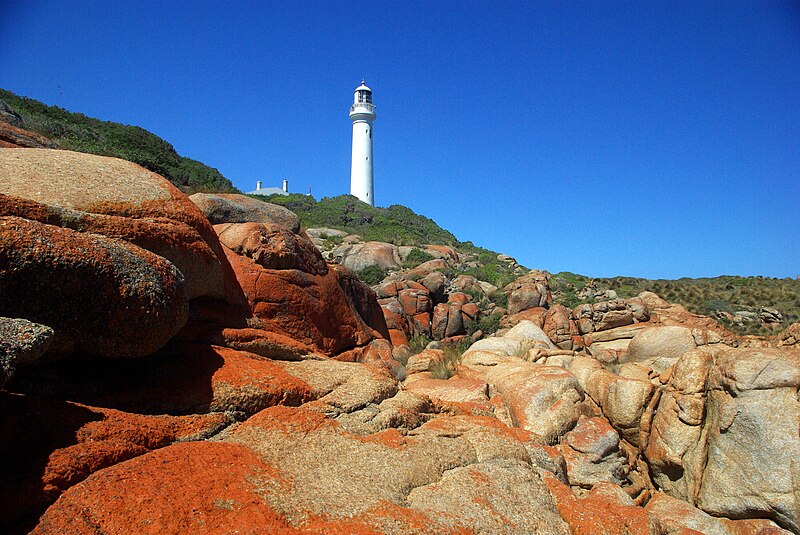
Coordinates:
<point>489,324</point>
<point>452,357</point>
<point>332,242</point>
<point>499,298</point>
<point>396,224</point>
<point>77,132</point>
<point>418,342</point>
<point>372,275</point>
<point>416,257</point>
<point>476,295</point>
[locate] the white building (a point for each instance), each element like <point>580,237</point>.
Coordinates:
<point>362,114</point>
<point>270,191</point>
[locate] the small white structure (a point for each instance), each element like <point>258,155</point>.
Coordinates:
<point>270,191</point>
<point>362,114</point>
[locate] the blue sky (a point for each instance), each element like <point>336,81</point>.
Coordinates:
<point>658,140</point>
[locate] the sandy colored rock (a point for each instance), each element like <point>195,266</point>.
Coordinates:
<point>535,315</point>
<point>359,256</point>
<point>291,469</point>
<point>753,415</point>
<point>234,208</point>
<point>559,327</point>
<point>545,400</point>
<point>727,418</point>
<point>527,331</point>
<point>425,361</point>
<point>623,400</point>
<point>660,347</point>
<point>456,389</point>
<point>611,314</point>
<point>676,515</point>
<point>272,246</point>
<point>591,451</point>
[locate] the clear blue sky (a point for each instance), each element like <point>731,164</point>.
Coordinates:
<point>606,138</point>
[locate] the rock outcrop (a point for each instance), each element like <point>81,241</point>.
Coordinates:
<point>96,293</point>
<point>727,418</point>
<point>233,208</point>
<point>162,375</point>
<point>117,199</point>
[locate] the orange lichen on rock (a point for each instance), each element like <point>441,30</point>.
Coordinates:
<point>597,515</point>
<point>206,487</point>
<point>57,444</point>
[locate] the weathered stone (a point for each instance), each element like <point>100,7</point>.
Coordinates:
<point>97,294</point>
<point>118,199</point>
<point>455,389</point>
<point>602,511</point>
<point>294,469</point>
<point>56,444</point>
<point>559,327</point>
<point>727,418</point>
<point>529,291</point>
<point>592,454</point>
<point>542,399</point>
<point>234,208</point>
<point>660,347</point>
<point>359,256</point>
<point>272,246</point>
<point>21,342</point>
<point>435,282</point>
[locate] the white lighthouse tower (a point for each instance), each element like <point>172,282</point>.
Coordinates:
<point>362,113</point>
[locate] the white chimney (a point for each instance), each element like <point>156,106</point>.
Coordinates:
<point>286,186</point>
<point>258,185</point>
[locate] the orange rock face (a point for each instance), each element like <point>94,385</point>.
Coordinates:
<point>56,444</point>
<point>14,137</point>
<point>599,515</point>
<point>193,487</point>
<point>310,308</point>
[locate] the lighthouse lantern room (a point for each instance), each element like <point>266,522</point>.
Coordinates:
<point>362,114</point>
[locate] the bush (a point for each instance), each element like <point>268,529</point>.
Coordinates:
<point>416,257</point>
<point>75,131</point>
<point>418,342</point>
<point>476,295</point>
<point>452,356</point>
<point>499,298</point>
<point>372,275</point>
<point>489,324</point>
<point>396,224</point>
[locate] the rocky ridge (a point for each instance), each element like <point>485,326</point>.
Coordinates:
<point>177,365</point>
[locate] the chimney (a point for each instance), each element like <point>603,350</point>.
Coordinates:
<point>258,185</point>
<point>286,186</point>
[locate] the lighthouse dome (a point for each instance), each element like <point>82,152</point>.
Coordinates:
<point>363,87</point>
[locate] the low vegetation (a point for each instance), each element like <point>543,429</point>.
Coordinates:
<point>396,224</point>
<point>718,297</point>
<point>77,132</point>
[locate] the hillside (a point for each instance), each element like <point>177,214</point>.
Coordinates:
<point>738,303</point>
<point>397,225</point>
<point>77,132</point>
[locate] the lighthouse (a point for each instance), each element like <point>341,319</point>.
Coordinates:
<point>362,114</point>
